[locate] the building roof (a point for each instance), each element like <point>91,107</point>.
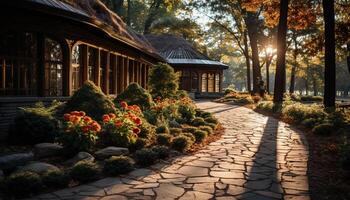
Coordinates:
<point>94,13</point>
<point>176,50</point>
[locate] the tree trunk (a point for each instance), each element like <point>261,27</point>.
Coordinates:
<point>247,60</point>
<point>252,26</point>
<point>314,85</point>
<point>348,58</point>
<point>153,11</point>
<point>268,63</point>
<point>128,18</point>
<point>294,66</point>
<point>280,79</point>
<point>329,70</point>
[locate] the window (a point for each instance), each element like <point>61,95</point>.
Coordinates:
<point>18,64</point>
<point>211,82</point>
<point>194,82</point>
<point>77,67</point>
<point>204,82</point>
<point>92,58</point>
<point>103,68</point>
<point>53,68</point>
<point>186,80</point>
<point>217,82</point>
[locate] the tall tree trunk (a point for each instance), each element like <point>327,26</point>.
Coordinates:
<point>128,18</point>
<point>294,66</point>
<point>348,58</point>
<point>252,26</point>
<point>314,85</point>
<point>280,79</point>
<point>153,11</point>
<point>247,61</point>
<point>329,70</point>
<point>268,63</point>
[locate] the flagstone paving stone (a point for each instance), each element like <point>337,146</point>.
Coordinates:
<point>258,157</point>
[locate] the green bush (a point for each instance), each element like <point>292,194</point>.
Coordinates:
<point>182,143</point>
<point>311,98</point>
<point>163,81</point>
<point>56,179</point>
<point>164,139</point>
<point>298,112</point>
<point>198,121</point>
<point>323,129</point>
<point>22,184</point>
<point>203,114</point>
<point>187,112</point>
<point>134,94</point>
<point>181,94</point>
<point>161,151</point>
<point>84,171</point>
<point>207,129</point>
<point>310,122</point>
<point>200,136</point>
<point>230,90</point>
<point>116,165</point>
<point>151,116</point>
<point>162,129</point>
<point>175,131</point>
<point>90,99</point>
<point>34,125</point>
<point>139,144</point>
<point>145,157</point>
<point>244,100</point>
<point>266,106</point>
<point>148,131</point>
<point>189,135</point>
<point>211,120</point>
<point>212,125</point>
<point>189,129</point>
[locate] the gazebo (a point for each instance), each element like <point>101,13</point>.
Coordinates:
<point>198,73</point>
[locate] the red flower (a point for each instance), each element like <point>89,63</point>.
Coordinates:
<point>75,119</point>
<point>112,115</point>
<point>86,129</point>
<point>136,130</point>
<point>76,113</point>
<point>118,124</point>
<point>81,114</point>
<point>66,117</point>
<point>137,121</point>
<point>87,119</point>
<point>96,127</point>
<point>123,104</point>
<point>106,118</point>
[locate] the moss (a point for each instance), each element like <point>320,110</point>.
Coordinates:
<point>116,165</point>
<point>56,179</point>
<point>22,184</point>
<point>90,99</point>
<point>84,171</point>
<point>134,94</point>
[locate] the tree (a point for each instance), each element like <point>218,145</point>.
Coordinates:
<point>280,80</point>
<point>329,71</point>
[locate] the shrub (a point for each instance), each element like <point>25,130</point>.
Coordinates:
<point>134,94</point>
<point>198,121</point>
<point>266,106</point>
<point>162,129</point>
<point>140,143</point>
<point>34,125</point>
<point>256,98</point>
<point>203,114</point>
<point>181,94</point>
<point>295,97</point>
<point>56,179</point>
<point>161,151</point>
<point>189,129</point>
<point>200,136</point>
<point>116,165</point>
<point>187,112</point>
<point>207,129</point>
<point>175,131</point>
<point>310,122</point>
<point>147,131</point>
<point>80,132</point>
<point>121,129</point>
<point>211,120</point>
<point>84,171</point>
<point>22,184</point>
<point>299,112</point>
<point>230,90</point>
<point>189,135</point>
<point>323,129</point>
<point>164,139</point>
<point>244,100</point>
<point>311,98</point>
<point>150,116</point>
<point>163,81</point>
<point>182,143</point>
<point>90,99</point>
<point>145,157</point>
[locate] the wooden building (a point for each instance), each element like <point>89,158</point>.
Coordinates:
<point>48,48</point>
<point>198,73</point>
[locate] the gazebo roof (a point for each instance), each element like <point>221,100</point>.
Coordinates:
<point>176,50</point>
<point>93,13</point>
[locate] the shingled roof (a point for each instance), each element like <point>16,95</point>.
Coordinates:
<point>94,13</point>
<point>176,50</point>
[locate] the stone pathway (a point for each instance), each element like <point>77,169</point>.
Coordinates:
<point>257,158</point>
